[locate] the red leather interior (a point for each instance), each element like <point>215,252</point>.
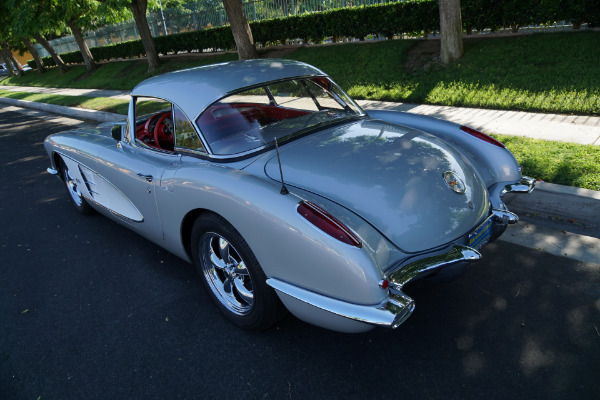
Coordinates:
<point>222,120</point>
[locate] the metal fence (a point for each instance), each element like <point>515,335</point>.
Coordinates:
<point>205,16</point>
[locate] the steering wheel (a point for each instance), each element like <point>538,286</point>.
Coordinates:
<point>149,128</point>
<point>164,129</point>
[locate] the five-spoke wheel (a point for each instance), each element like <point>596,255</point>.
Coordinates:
<point>226,273</point>
<point>231,274</point>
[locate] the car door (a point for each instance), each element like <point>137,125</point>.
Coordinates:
<point>136,172</point>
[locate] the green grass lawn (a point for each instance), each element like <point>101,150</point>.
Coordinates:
<point>557,162</point>
<point>549,72</point>
<point>90,103</point>
<point>116,106</point>
<point>118,75</point>
<point>555,72</point>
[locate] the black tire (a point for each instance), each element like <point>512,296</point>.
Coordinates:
<point>231,274</point>
<point>448,274</point>
<point>497,231</point>
<point>75,197</point>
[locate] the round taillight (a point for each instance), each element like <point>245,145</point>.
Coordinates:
<point>327,223</point>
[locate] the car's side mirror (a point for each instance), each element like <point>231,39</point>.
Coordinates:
<point>116,132</point>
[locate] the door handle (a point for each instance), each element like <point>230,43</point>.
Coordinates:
<point>148,178</point>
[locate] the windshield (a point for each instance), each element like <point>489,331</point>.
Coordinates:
<point>255,117</point>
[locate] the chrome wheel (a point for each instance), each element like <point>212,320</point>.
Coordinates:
<point>226,274</point>
<point>72,186</point>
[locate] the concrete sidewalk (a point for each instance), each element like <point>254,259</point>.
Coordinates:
<point>565,128</point>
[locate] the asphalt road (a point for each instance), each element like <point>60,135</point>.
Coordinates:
<point>90,310</point>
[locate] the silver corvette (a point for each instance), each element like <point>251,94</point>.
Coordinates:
<point>285,194</point>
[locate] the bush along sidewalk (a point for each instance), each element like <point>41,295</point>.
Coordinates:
<point>413,17</point>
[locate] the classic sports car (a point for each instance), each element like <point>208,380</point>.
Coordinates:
<point>285,194</point>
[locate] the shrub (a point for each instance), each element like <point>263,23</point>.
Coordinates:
<point>411,17</point>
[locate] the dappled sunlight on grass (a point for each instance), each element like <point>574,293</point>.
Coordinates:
<point>121,75</point>
<point>373,92</point>
<point>91,103</point>
<point>557,162</point>
<point>550,72</point>
<point>529,73</point>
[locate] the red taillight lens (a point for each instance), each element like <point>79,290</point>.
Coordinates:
<point>481,135</point>
<point>328,223</point>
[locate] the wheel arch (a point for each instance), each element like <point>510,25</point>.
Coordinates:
<point>56,163</point>
<point>187,223</point>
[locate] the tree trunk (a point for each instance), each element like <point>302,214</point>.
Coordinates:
<point>141,22</point>
<point>38,61</point>
<point>241,29</point>
<point>45,44</point>
<point>10,60</point>
<point>450,31</point>
<point>6,59</point>
<point>88,59</point>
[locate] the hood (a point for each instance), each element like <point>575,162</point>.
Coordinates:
<point>394,177</point>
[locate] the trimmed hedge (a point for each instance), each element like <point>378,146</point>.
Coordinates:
<point>408,17</point>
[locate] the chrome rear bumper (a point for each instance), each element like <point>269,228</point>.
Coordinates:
<point>406,273</point>
<point>391,313</point>
<point>395,309</point>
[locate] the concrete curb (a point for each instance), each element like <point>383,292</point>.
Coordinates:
<point>558,242</point>
<point>74,112</point>
<point>569,203</point>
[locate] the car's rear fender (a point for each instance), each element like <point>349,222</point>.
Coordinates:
<point>287,246</point>
<point>496,165</point>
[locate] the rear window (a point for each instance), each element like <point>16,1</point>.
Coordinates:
<point>254,118</point>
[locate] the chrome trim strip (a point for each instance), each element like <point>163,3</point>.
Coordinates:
<point>505,217</point>
<point>52,171</point>
<point>525,185</point>
<point>457,254</point>
<point>392,312</point>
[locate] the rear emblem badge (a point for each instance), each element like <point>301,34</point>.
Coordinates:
<point>454,182</point>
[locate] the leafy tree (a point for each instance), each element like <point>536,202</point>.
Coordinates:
<point>6,37</point>
<point>77,15</point>
<point>31,19</point>
<point>139,8</point>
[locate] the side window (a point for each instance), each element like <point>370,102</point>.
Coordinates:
<point>185,134</point>
<point>153,124</point>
